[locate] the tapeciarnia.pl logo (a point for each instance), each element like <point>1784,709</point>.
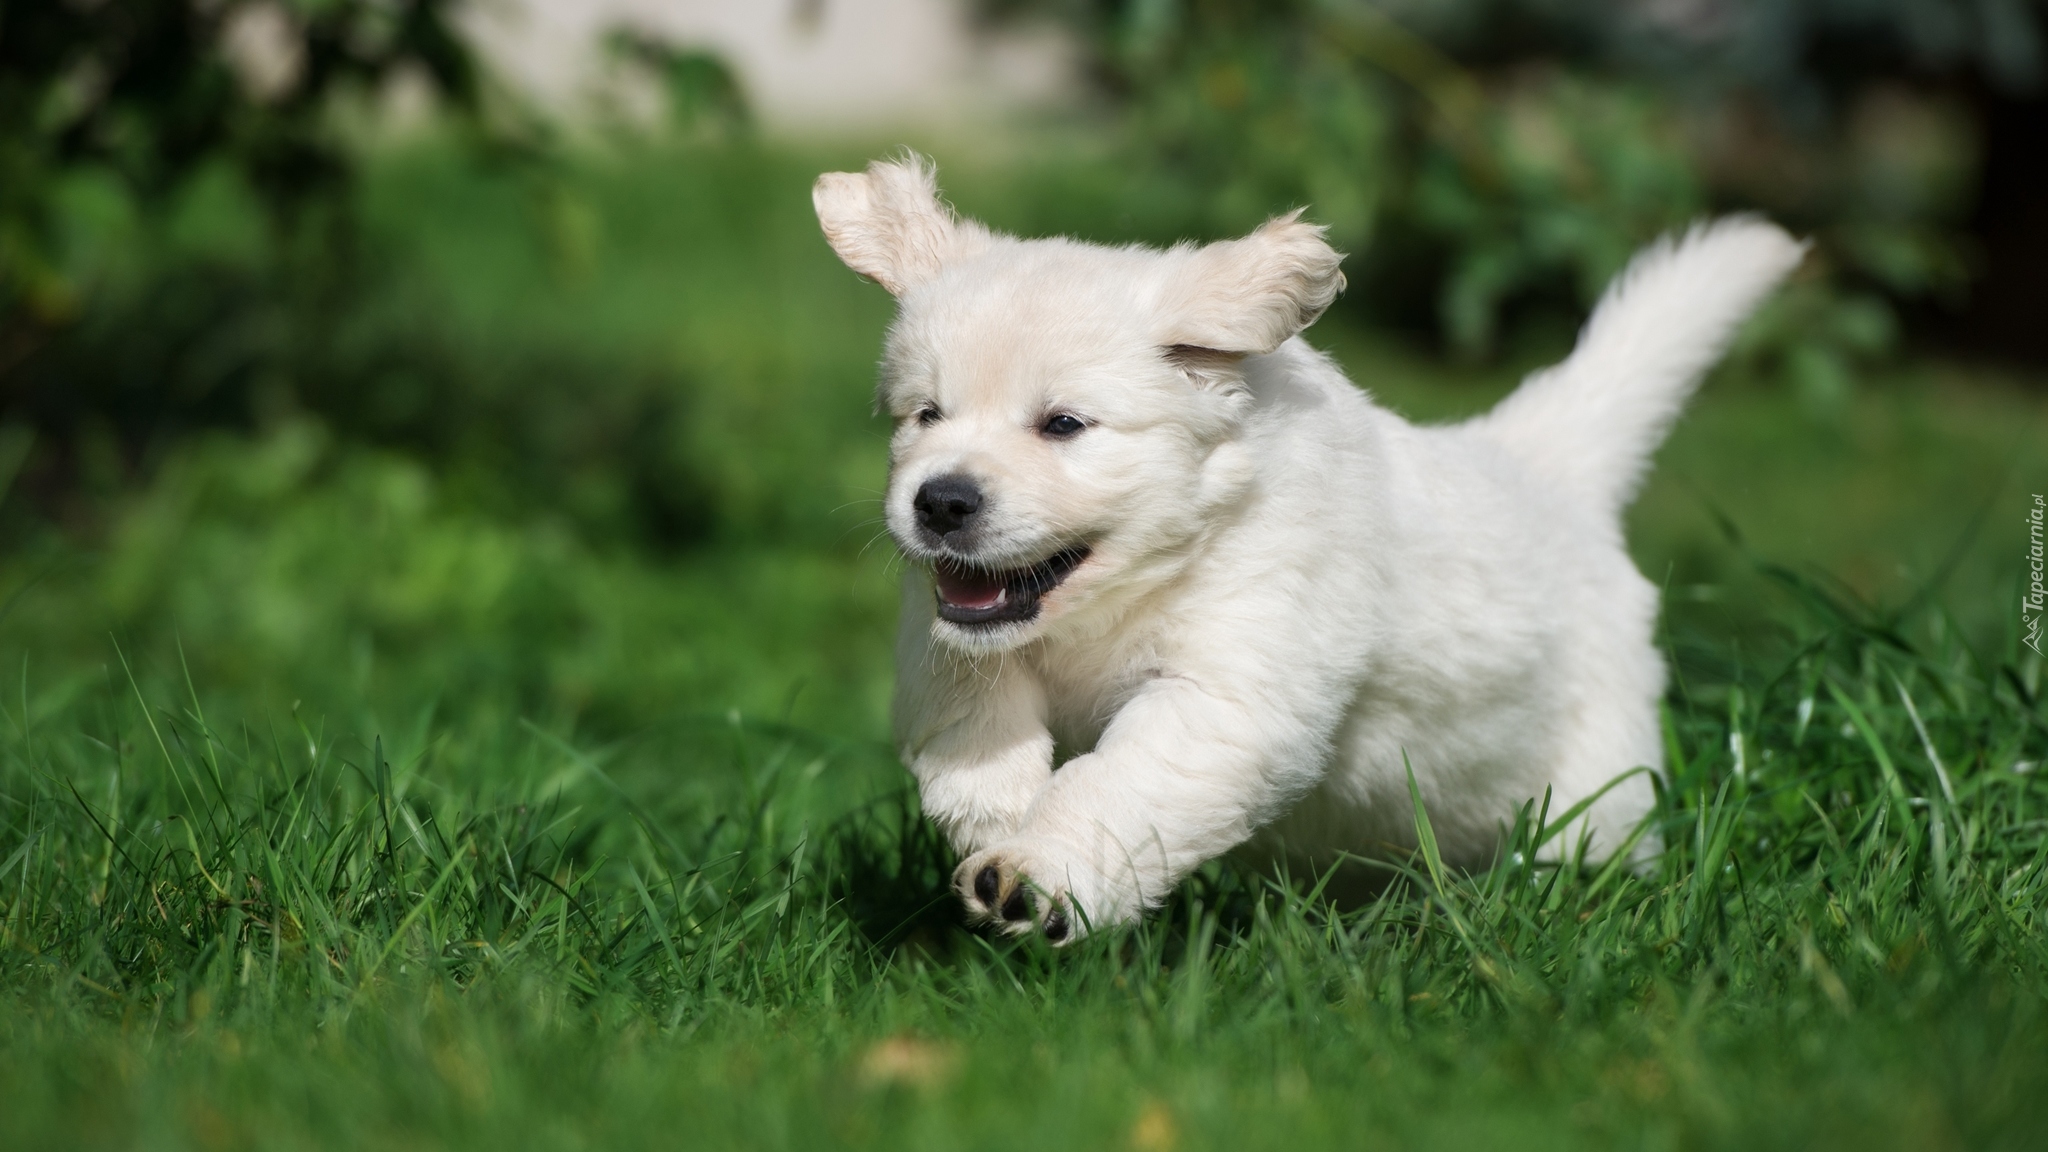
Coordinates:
<point>2035,602</point>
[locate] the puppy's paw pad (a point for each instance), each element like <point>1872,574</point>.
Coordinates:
<point>988,885</point>
<point>1056,927</point>
<point>996,889</point>
<point>1016,909</point>
<point>993,888</point>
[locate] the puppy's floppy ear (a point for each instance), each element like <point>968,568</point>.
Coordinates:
<point>1248,296</point>
<point>1206,367</point>
<point>887,223</point>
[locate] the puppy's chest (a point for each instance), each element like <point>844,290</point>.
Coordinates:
<point>1084,691</point>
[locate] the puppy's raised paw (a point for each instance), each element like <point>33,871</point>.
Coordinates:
<point>996,888</point>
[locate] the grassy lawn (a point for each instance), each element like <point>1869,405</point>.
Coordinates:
<point>359,792</point>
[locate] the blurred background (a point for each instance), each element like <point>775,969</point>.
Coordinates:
<point>415,363</point>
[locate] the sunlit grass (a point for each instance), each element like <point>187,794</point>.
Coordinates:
<point>445,931</point>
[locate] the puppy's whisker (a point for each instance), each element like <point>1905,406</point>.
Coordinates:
<point>872,540</point>
<point>852,528</point>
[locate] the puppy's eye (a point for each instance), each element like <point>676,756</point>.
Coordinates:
<point>927,415</point>
<point>1061,425</point>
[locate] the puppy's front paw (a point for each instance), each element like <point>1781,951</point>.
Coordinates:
<point>1003,886</point>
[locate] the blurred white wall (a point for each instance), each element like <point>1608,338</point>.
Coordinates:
<point>808,66</point>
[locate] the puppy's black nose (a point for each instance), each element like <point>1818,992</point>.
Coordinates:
<point>945,504</point>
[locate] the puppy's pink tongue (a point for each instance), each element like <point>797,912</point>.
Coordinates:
<point>967,588</point>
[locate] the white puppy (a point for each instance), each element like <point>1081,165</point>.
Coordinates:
<point>1180,587</point>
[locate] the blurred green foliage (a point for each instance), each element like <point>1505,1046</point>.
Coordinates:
<point>1491,156</point>
<point>179,248</point>
<point>701,97</point>
<point>177,206</point>
<point>641,479</point>
<point>117,110</point>
<point>584,429</point>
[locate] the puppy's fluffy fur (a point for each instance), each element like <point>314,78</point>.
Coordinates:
<point>1285,595</point>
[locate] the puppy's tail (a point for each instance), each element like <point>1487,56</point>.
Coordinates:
<point>1593,421</point>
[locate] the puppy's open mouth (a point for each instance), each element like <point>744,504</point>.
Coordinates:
<point>971,595</point>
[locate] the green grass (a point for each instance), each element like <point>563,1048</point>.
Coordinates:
<point>233,931</point>
<point>359,793</point>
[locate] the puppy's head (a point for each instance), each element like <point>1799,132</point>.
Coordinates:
<point>1064,412</point>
